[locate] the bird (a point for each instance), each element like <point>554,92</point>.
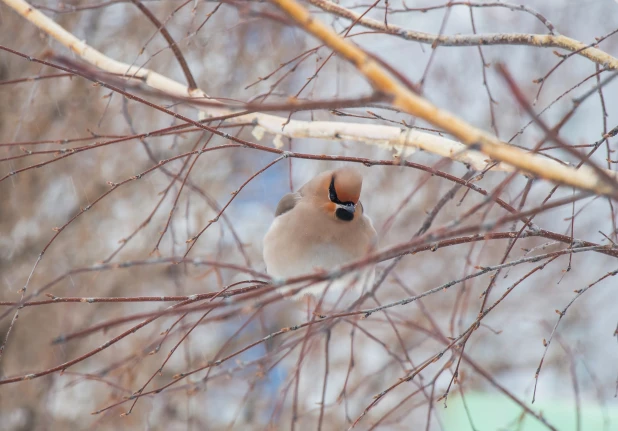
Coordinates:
<point>319,228</point>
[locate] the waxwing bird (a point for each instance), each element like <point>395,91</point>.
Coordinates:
<point>321,227</point>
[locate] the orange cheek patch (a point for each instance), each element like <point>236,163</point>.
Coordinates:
<point>330,208</point>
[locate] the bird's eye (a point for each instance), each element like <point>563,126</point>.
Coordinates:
<point>332,194</point>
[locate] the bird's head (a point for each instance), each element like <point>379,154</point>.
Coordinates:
<point>339,193</point>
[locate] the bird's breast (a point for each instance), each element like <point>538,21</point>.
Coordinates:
<point>304,240</point>
<point>298,253</point>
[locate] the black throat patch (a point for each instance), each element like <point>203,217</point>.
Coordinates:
<point>344,215</point>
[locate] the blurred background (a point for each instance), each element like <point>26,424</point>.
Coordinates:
<point>124,245</point>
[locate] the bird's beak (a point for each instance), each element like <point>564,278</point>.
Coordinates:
<point>349,208</point>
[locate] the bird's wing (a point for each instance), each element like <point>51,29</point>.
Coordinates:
<point>286,203</point>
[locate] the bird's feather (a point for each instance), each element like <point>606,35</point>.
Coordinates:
<point>287,203</point>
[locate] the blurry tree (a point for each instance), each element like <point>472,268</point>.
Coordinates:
<point>144,146</point>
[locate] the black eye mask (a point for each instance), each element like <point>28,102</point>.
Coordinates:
<point>332,194</point>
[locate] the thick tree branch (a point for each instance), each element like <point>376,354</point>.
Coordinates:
<point>538,40</point>
<point>584,178</point>
<point>393,138</point>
